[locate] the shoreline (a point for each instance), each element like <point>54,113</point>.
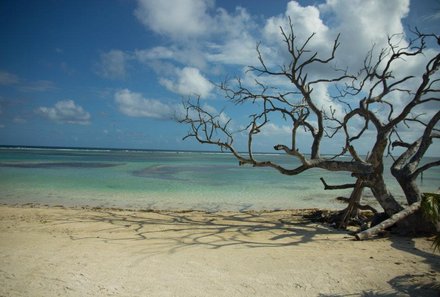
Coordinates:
<point>36,205</point>
<point>51,251</point>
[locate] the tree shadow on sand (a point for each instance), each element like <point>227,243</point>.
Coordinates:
<point>409,246</point>
<point>172,232</point>
<point>175,231</point>
<point>409,284</point>
<point>412,285</point>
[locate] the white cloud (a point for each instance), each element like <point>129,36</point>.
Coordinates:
<point>178,19</point>
<point>361,24</point>
<point>271,129</point>
<point>235,51</point>
<point>134,104</point>
<point>222,117</point>
<point>305,20</point>
<point>202,37</point>
<point>189,81</point>
<point>190,55</point>
<point>7,78</point>
<point>158,52</point>
<point>230,37</point>
<point>65,111</point>
<point>201,33</point>
<point>113,64</point>
<point>364,23</point>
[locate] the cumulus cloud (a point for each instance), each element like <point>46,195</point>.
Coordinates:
<point>305,20</point>
<point>203,36</point>
<point>65,111</point>
<point>230,37</point>
<point>113,64</point>
<point>271,129</point>
<point>201,33</point>
<point>236,51</point>
<point>188,81</point>
<point>178,19</point>
<point>134,104</point>
<point>189,55</point>
<point>158,52</point>
<point>361,24</point>
<point>364,23</point>
<point>222,117</point>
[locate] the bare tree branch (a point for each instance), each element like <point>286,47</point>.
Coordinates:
<point>336,187</point>
<point>368,100</point>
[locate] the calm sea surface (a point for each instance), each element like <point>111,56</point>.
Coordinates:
<point>166,180</point>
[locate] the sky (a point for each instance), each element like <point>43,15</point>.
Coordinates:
<point>112,73</point>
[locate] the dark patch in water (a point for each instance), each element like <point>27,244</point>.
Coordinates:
<point>169,172</point>
<point>295,188</point>
<point>59,165</point>
<point>161,172</point>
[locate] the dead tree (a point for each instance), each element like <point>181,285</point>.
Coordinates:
<point>407,167</point>
<point>389,222</point>
<point>373,88</point>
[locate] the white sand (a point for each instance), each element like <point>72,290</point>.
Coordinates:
<point>83,252</point>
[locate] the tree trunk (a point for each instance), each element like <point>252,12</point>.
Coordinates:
<point>384,197</point>
<point>415,223</point>
<point>355,198</point>
<point>411,190</point>
<point>389,222</point>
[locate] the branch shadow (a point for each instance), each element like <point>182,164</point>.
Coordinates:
<point>409,246</point>
<point>412,285</point>
<point>159,232</point>
<point>175,231</point>
<point>409,284</point>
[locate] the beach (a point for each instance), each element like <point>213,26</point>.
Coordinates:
<point>81,251</point>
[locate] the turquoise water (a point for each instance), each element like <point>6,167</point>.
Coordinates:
<point>166,180</point>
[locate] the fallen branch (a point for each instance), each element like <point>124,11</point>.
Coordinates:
<point>389,222</point>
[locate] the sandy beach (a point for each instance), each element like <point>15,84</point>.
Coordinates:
<point>57,251</point>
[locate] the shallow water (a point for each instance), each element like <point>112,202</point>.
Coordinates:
<point>167,180</point>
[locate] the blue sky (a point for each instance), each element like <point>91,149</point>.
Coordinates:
<point>110,73</point>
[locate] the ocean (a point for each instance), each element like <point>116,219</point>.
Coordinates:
<point>167,180</point>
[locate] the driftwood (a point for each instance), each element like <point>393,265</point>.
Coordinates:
<point>389,222</point>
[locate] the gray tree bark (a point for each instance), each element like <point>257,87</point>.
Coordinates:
<point>389,222</point>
